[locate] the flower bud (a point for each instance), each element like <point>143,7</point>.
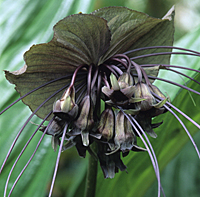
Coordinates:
<point>125,139</point>
<point>114,82</point>
<point>85,120</point>
<point>144,119</point>
<point>125,80</point>
<point>110,164</point>
<point>55,127</point>
<point>119,130</point>
<point>106,124</point>
<point>157,91</point>
<point>66,107</point>
<point>161,95</point>
<point>75,141</point>
<point>142,91</point>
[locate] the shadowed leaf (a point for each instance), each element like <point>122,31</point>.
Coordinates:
<point>73,44</point>
<point>131,29</point>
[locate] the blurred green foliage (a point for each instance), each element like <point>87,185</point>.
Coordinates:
<point>24,23</point>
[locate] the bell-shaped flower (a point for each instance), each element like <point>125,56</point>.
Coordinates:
<point>85,121</point>
<point>66,108</point>
<point>110,164</point>
<point>107,124</point>
<point>121,90</point>
<point>125,138</point>
<point>142,91</point>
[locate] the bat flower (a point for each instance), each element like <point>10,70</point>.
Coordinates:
<point>93,83</point>
<point>121,91</point>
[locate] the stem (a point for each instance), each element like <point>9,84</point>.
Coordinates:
<point>91,178</point>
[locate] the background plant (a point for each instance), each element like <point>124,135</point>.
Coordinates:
<point>32,23</point>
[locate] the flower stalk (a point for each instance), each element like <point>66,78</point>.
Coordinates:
<point>91,178</point>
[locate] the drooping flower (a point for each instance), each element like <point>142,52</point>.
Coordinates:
<point>95,58</point>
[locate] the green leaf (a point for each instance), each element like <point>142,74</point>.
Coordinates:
<point>131,29</point>
<point>182,168</point>
<point>73,45</point>
<point>83,35</point>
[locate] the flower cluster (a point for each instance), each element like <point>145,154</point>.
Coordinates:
<point>102,83</point>
<point>111,129</point>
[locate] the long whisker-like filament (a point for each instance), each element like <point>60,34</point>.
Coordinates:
<point>158,47</point>
<point>117,69</point>
<point>111,69</point>
<point>152,157</point>
<point>138,70</point>
<point>120,62</point>
<point>45,84</point>
<point>82,89</point>
<point>57,160</point>
<point>20,174</point>
<point>183,125</point>
<point>89,80</point>
<point>153,153</point>
<point>27,121</point>
<point>183,114</point>
<point>171,82</point>
<point>173,66</point>
<point>25,146</point>
<point>175,71</point>
<point>178,110</point>
<point>164,53</point>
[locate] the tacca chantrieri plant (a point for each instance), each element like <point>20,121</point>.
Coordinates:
<point>93,83</point>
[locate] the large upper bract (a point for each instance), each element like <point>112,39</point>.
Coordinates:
<point>88,39</point>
